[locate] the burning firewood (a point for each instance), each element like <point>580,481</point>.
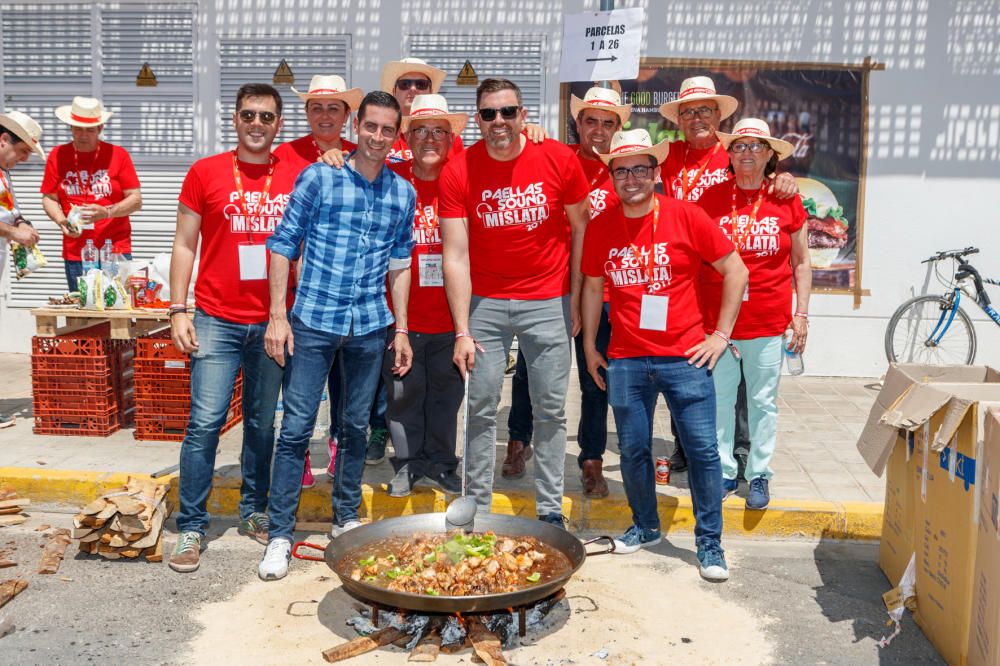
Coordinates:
<point>429,646</point>
<point>363,644</point>
<point>485,643</point>
<point>125,523</point>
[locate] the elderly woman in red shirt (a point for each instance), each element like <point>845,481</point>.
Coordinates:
<point>772,239</point>
<point>96,178</point>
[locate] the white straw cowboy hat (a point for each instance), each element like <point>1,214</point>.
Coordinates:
<point>84,112</point>
<point>331,87</point>
<point>396,68</point>
<point>25,128</point>
<point>755,128</point>
<point>635,142</point>
<point>602,99</point>
<point>694,89</point>
<point>434,107</point>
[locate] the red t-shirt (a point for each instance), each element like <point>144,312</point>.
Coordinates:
<point>518,233</point>
<point>428,310</point>
<point>302,152</point>
<point>602,191</point>
<point>210,190</point>
<point>685,238</point>
<point>766,249</point>
<point>680,171</point>
<point>401,152</point>
<point>98,177</point>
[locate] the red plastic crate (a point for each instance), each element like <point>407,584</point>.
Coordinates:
<point>173,430</point>
<point>85,422</point>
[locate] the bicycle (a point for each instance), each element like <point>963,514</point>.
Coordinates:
<point>935,329</point>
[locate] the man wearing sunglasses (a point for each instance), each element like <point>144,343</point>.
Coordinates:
<point>233,202</point>
<point>513,217</point>
<point>352,229</point>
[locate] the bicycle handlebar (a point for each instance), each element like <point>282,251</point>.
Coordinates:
<point>951,254</point>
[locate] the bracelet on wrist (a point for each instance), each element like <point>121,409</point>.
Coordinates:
<point>721,335</point>
<point>402,331</point>
<point>802,315</point>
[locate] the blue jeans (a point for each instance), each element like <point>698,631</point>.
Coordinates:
<point>74,269</point>
<point>592,433</point>
<point>519,419</point>
<point>633,387</point>
<point>379,406</point>
<point>307,371</point>
<point>223,348</point>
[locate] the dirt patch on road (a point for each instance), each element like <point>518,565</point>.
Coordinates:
<point>646,608</point>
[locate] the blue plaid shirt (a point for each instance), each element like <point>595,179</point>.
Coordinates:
<point>350,233</point>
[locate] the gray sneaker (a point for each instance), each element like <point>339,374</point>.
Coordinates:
<point>256,527</point>
<point>401,484</point>
<point>187,553</point>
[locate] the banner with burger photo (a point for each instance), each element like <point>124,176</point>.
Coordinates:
<point>817,109</point>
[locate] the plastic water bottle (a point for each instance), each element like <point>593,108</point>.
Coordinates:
<point>88,255</point>
<point>279,414</point>
<point>322,418</point>
<point>793,360</point>
<point>107,259</point>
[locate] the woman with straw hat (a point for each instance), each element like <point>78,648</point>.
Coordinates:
<point>90,187</point>
<point>771,236</point>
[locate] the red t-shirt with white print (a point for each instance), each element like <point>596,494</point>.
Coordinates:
<point>304,151</point>
<point>210,190</point>
<point>688,172</point>
<point>427,311</point>
<point>617,248</point>
<point>602,191</point>
<point>519,237</point>
<point>98,177</point>
<point>765,244</point>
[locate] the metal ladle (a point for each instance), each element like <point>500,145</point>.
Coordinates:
<point>461,513</point>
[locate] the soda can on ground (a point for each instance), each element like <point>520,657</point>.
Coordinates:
<point>662,470</point>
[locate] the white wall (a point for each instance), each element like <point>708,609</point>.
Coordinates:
<point>934,167</point>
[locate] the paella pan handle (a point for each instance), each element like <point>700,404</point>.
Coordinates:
<point>610,548</point>
<point>305,544</point>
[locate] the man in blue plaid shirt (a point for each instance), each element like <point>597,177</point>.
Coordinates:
<point>349,227</point>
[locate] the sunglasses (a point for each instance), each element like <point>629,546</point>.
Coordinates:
<point>638,172</point>
<point>506,112</point>
<point>423,85</point>
<point>266,117</point>
<point>755,147</point>
<point>701,112</point>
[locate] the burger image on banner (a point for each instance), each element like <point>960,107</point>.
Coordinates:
<point>826,222</point>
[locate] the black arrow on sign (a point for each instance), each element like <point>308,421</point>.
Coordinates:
<point>612,59</point>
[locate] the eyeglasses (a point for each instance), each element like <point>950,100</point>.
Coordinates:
<point>423,85</point>
<point>755,147</point>
<point>638,172</point>
<point>266,117</point>
<point>506,112</point>
<point>435,133</point>
<point>700,111</point>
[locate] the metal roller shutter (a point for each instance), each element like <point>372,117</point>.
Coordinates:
<point>54,50</point>
<point>255,59</point>
<point>518,58</point>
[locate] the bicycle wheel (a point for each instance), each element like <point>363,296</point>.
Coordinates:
<point>915,333</point>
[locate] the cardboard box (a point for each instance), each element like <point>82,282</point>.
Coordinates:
<point>896,544</point>
<point>943,408</point>
<point>984,632</point>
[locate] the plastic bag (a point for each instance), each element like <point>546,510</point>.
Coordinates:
<point>89,286</point>
<point>27,260</point>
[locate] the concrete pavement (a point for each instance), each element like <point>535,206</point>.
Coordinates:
<point>821,485</point>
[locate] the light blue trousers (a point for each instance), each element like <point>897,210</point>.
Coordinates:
<point>762,369</point>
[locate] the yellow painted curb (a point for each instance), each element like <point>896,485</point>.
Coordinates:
<point>782,519</point>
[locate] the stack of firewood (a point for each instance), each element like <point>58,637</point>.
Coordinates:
<point>12,507</point>
<point>125,523</point>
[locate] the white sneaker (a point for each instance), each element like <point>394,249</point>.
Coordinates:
<point>337,530</point>
<point>274,565</point>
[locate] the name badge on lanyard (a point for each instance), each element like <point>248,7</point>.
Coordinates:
<point>253,261</point>
<point>653,315</point>
<point>431,268</point>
